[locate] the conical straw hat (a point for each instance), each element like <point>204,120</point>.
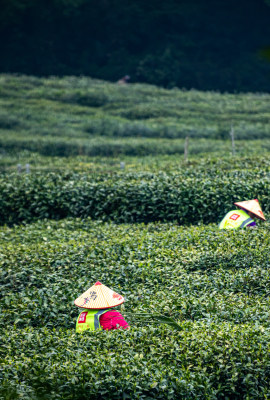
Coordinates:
<point>253,206</point>
<point>99,296</point>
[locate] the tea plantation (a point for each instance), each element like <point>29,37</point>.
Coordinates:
<point>147,229</point>
<point>215,284</point>
<point>82,116</point>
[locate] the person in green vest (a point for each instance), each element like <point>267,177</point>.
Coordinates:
<point>243,217</point>
<point>98,312</point>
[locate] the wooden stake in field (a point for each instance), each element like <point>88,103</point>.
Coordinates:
<point>232,137</point>
<point>186,148</point>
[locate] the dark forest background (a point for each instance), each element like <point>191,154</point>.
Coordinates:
<point>202,44</point>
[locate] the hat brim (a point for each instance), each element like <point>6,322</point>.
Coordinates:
<point>249,206</point>
<point>99,297</point>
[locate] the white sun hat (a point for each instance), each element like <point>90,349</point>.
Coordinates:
<point>98,297</point>
<point>253,206</point>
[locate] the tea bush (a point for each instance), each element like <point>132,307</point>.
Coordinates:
<point>65,147</point>
<point>134,197</point>
<point>214,283</point>
<point>80,107</point>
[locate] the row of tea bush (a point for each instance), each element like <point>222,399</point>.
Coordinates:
<point>82,107</point>
<point>215,284</point>
<point>133,197</point>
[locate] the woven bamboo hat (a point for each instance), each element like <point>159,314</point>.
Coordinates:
<point>99,296</point>
<point>253,206</point>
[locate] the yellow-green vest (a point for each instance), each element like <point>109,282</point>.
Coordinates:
<point>89,320</point>
<point>235,219</point>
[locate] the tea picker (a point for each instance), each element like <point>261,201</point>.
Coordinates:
<point>97,303</point>
<point>244,217</point>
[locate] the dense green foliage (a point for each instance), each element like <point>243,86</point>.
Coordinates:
<point>193,44</point>
<point>214,283</point>
<point>190,196</point>
<point>65,147</point>
<point>115,154</point>
<point>82,116</point>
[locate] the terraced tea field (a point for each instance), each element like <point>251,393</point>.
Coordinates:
<point>82,116</point>
<point>109,197</point>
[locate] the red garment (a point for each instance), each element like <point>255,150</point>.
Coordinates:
<point>113,320</point>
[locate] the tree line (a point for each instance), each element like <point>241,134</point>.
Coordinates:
<point>207,45</point>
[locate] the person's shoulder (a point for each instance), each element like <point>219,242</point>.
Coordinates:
<point>231,212</point>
